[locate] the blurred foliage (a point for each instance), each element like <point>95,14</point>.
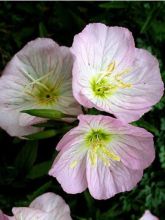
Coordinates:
<point>24,164</point>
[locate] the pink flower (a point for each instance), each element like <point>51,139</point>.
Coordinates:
<point>2,216</point>
<point>45,207</point>
<point>148,216</point>
<point>103,154</point>
<point>38,77</point>
<point>110,74</point>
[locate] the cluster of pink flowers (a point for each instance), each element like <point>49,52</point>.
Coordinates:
<point>103,70</point>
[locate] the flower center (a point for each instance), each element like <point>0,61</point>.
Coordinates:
<point>103,88</point>
<point>106,83</point>
<point>97,142</point>
<point>42,90</point>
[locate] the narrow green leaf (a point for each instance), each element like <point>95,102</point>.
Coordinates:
<point>39,170</point>
<point>27,156</point>
<point>89,202</point>
<point>45,113</point>
<point>41,135</point>
<point>42,30</point>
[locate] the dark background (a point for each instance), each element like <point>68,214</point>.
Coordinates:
<point>24,164</point>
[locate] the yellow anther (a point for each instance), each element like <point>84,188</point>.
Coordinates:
<point>111,67</point>
<point>93,157</point>
<point>104,159</point>
<point>123,72</point>
<point>73,164</point>
<point>106,73</point>
<point>110,154</point>
<point>37,81</point>
<point>122,84</point>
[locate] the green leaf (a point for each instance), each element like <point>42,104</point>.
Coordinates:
<point>39,170</point>
<point>42,30</point>
<point>41,135</point>
<point>27,156</point>
<point>45,113</point>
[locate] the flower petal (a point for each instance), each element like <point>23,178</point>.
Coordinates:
<point>95,48</point>
<point>69,168</point>
<point>106,181</point>
<point>27,120</point>
<point>146,90</point>
<point>9,122</point>
<point>3,216</point>
<point>148,216</point>
<point>52,204</point>
<point>29,214</point>
<point>135,152</point>
<point>39,59</point>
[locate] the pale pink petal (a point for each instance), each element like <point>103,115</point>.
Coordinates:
<point>67,103</point>
<point>146,90</point>
<point>132,144</point>
<point>3,216</point>
<point>29,213</point>
<point>148,216</point>
<point>52,204</point>
<point>106,181</point>
<point>27,120</point>
<point>75,168</point>
<point>95,48</point>
<point>69,168</point>
<point>9,121</point>
<point>41,59</point>
<point>135,152</point>
<point>115,126</point>
<point>98,46</point>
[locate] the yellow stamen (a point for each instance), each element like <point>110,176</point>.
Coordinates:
<point>104,159</point>
<point>37,81</point>
<point>93,157</point>
<point>107,83</point>
<point>111,67</point>
<point>73,164</point>
<point>122,84</point>
<point>106,73</point>
<point>110,154</point>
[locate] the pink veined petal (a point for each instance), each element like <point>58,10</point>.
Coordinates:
<point>135,152</point>
<point>147,88</point>
<point>29,213</point>
<point>9,122</point>
<point>67,104</point>
<point>113,125</point>
<point>71,138</point>
<point>74,170</point>
<point>148,216</point>
<point>48,206</point>
<point>69,169</point>
<point>132,144</point>
<point>39,58</point>
<point>95,48</point>
<point>52,204</point>
<point>106,181</point>
<point>27,120</point>
<point>98,45</point>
